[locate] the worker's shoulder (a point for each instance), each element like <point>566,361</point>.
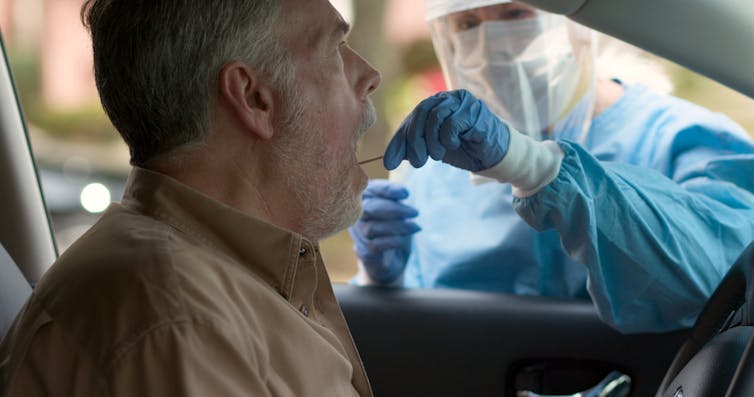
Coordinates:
<point>679,112</point>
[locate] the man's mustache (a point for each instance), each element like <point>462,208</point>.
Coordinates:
<point>367,119</point>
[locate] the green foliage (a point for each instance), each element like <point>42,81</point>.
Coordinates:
<point>419,56</point>
<point>87,123</point>
<point>25,69</point>
<point>685,82</point>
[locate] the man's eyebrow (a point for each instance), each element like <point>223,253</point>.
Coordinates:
<point>342,28</point>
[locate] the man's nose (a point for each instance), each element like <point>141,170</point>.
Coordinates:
<point>373,80</point>
<point>369,80</point>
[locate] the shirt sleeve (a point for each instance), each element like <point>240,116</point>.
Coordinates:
<point>655,249</point>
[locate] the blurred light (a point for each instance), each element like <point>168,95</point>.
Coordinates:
<point>95,197</point>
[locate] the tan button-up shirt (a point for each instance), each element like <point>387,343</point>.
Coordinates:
<point>172,293</point>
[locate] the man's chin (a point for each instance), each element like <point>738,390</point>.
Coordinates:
<point>351,214</point>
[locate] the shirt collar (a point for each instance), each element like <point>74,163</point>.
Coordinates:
<point>272,253</point>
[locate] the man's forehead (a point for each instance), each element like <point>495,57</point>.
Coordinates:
<point>309,23</point>
<point>331,27</point>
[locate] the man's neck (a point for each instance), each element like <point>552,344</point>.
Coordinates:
<point>225,179</point>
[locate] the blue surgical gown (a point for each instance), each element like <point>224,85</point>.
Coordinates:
<point>645,217</point>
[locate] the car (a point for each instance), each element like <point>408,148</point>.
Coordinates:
<point>418,342</point>
<point>462,343</point>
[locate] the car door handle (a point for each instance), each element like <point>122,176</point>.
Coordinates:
<point>615,384</point>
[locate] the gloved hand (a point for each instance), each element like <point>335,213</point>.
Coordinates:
<point>382,235</point>
<point>454,127</point>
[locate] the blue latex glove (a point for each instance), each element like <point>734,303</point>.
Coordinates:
<point>454,127</point>
<point>382,235</point>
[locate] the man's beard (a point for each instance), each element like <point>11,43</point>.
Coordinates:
<point>325,196</point>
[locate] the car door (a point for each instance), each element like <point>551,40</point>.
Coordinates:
<point>462,343</point>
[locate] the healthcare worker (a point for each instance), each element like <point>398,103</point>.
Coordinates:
<point>579,187</point>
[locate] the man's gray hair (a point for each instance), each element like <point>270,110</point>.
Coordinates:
<point>157,62</point>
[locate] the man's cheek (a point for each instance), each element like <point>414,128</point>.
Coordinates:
<point>340,134</point>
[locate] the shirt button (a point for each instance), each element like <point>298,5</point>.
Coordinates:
<point>302,251</point>
<point>304,310</point>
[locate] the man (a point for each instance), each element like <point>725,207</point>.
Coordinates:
<point>242,119</point>
<point>598,188</point>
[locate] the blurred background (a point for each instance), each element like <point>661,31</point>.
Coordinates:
<point>83,163</point>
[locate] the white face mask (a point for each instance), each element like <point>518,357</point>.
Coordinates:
<point>526,71</point>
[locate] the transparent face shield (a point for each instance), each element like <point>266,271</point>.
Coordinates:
<point>536,73</point>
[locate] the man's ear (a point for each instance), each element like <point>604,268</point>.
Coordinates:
<point>249,97</point>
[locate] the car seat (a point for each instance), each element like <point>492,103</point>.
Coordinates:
<point>14,291</point>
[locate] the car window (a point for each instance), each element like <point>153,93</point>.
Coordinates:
<point>82,162</point>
